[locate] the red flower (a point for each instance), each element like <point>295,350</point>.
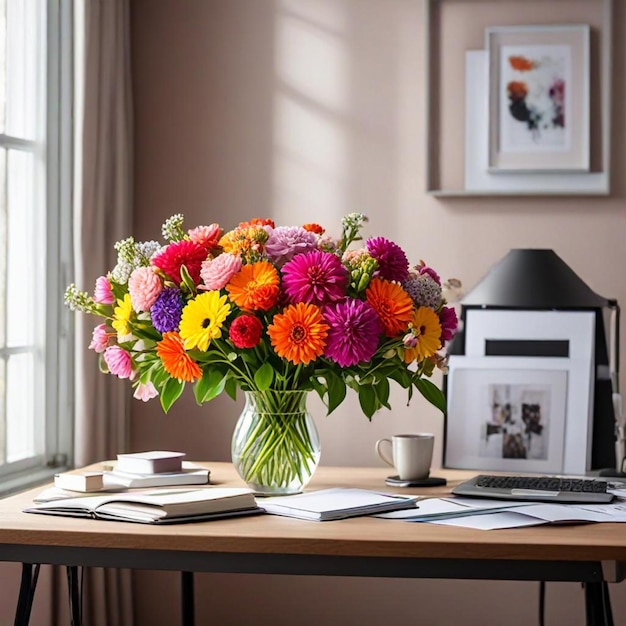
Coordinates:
<point>245,331</point>
<point>180,253</point>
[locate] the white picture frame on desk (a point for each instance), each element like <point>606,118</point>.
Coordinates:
<point>507,414</point>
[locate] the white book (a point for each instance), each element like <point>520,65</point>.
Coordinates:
<point>334,504</point>
<point>190,474</point>
<point>157,507</point>
<point>150,462</point>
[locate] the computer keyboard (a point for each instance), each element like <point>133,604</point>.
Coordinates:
<point>536,489</point>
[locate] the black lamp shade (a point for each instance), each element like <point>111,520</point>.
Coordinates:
<point>533,279</point>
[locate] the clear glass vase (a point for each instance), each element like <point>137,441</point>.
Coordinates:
<point>275,446</point>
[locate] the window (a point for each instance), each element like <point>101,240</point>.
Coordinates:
<point>35,194</point>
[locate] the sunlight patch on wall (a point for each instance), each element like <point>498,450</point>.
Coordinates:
<point>310,102</point>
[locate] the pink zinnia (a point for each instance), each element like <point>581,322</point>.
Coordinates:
<point>145,391</point>
<point>206,236</point>
<point>217,272</point>
<point>393,264</point>
<point>285,242</point>
<point>316,277</point>
<point>99,339</point>
<point>144,287</point>
<point>179,253</point>
<point>103,294</point>
<point>354,332</point>
<point>118,361</point>
<point>449,323</point>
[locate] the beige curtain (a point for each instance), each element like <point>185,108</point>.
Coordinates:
<point>103,215</point>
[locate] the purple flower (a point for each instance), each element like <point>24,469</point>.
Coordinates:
<point>424,291</point>
<point>285,242</point>
<point>449,323</point>
<point>353,334</point>
<point>316,277</point>
<point>167,310</point>
<point>392,262</point>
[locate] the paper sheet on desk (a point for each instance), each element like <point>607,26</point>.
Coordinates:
<point>536,514</point>
<point>438,508</point>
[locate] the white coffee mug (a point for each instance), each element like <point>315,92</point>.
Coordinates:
<point>411,455</point>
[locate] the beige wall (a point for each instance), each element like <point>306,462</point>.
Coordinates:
<point>308,109</point>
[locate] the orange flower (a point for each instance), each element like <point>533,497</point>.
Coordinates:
<point>255,287</point>
<point>521,64</point>
<point>393,305</point>
<point>313,228</point>
<point>299,333</point>
<point>176,361</point>
<point>244,241</point>
<point>426,329</point>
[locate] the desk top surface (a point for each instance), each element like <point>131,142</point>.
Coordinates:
<point>364,536</point>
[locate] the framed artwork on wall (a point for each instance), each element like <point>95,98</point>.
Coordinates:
<point>539,99</point>
<point>510,414</point>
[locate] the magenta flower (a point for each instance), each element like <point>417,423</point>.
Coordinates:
<point>392,261</point>
<point>316,277</point>
<point>99,339</point>
<point>217,272</point>
<point>353,334</point>
<point>144,287</point>
<point>449,323</point>
<point>424,269</point>
<point>285,242</point>
<point>103,294</point>
<point>145,391</point>
<point>118,361</point>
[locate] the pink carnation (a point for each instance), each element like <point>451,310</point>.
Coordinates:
<point>206,236</point>
<point>145,391</point>
<point>103,294</point>
<point>144,287</point>
<point>99,339</point>
<point>217,272</point>
<point>118,361</point>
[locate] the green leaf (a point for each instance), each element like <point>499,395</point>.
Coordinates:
<point>186,280</point>
<point>336,391</point>
<point>230,387</point>
<point>382,392</point>
<point>432,393</point>
<point>264,377</point>
<point>210,385</point>
<point>401,376</point>
<point>171,392</point>
<point>367,400</point>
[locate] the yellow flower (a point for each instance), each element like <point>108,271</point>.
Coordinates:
<point>426,329</point>
<point>202,320</point>
<point>121,317</point>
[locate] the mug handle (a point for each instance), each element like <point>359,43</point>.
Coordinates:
<point>381,453</point>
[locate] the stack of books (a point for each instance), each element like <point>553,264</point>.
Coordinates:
<point>156,468</point>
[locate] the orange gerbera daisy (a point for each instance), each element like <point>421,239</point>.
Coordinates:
<point>299,333</point>
<point>393,305</point>
<point>255,287</point>
<point>176,361</point>
<point>426,329</point>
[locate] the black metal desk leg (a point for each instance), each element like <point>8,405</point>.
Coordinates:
<point>73,587</point>
<point>30,573</point>
<point>186,599</point>
<point>598,604</point>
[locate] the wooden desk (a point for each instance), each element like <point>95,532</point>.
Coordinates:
<point>591,554</point>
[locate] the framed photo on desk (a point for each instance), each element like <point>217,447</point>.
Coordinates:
<point>506,414</point>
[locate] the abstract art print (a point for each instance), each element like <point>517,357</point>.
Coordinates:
<point>538,98</point>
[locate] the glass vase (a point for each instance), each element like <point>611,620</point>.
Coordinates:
<point>275,446</point>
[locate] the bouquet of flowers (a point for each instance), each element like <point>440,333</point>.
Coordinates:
<point>269,309</point>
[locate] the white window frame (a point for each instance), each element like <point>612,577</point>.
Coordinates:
<point>54,409</point>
